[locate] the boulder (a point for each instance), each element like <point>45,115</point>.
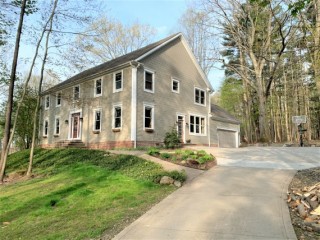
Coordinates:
<point>177,183</point>
<point>165,180</point>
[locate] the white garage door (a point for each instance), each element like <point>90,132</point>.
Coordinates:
<point>227,139</point>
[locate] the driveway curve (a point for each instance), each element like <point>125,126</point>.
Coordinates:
<point>242,198</point>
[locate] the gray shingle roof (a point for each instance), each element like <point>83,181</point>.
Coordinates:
<point>112,63</point>
<point>220,114</point>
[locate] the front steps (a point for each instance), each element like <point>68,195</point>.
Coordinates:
<point>70,144</point>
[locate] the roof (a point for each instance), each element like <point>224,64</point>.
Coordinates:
<point>220,114</point>
<point>122,60</point>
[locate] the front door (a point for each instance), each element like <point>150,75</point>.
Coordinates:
<point>180,128</point>
<point>75,126</point>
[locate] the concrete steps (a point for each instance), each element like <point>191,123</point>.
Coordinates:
<point>70,144</point>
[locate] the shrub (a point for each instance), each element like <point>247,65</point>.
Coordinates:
<point>201,153</point>
<point>205,158</point>
<point>165,155</point>
<point>153,151</point>
<point>188,152</point>
<point>171,139</point>
<point>178,152</point>
<point>179,176</point>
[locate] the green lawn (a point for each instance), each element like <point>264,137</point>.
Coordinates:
<point>81,194</point>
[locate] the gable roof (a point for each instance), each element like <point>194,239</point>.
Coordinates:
<point>222,115</point>
<point>127,58</point>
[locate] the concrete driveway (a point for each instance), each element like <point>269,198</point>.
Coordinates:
<point>267,157</point>
<point>242,198</point>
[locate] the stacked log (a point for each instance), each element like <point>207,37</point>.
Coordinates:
<point>306,203</point>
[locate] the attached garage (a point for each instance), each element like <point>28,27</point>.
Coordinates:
<point>227,138</point>
<point>224,128</point>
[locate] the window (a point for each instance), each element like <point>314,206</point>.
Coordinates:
<point>47,102</point>
<point>117,82</point>
<point>76,92</point>
<point>58,99</point>
<point>98,88</point>
<point>175,86</point>
<point>117,116</point>
<point>57,126</point>
<point>97,120</point>
<point>148,81</point>
<point>199,96</point>
<point>197,125</point>
<point>45,128</point>
<point>148,117</point>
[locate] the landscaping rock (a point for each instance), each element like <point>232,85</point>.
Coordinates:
<point>177,183</point>
<point>165,180</point>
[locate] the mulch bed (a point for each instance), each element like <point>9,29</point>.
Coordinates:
<point>192,163</point>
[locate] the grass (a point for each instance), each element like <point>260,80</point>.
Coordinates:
<point>81,194</point>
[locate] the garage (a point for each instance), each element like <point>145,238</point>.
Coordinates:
<point>227,138</point>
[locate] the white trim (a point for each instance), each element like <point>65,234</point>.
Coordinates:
<point>183,125</point>
<point>45,102</point>
<point>44,127</point>
<point>205,124</point>
<point>70,124</point>
<point>114,81</point>
<point>146,105</point>
<point>58,105</point>
<point>73,92</point>
<point>94,119</point>
<point>95,88</point>
<point>175,80</point>
<point>55,126</point>
<point>114,106</point>
<point>144,80</point>
<point>134,73</point>
<point>194,97</point>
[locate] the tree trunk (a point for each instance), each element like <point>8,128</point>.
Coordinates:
<point>6,137</point>
<point>35,122</point>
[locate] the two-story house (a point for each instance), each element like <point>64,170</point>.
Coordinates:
<point>134,100</point>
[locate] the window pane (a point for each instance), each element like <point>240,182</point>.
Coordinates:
<point>47,101</point>
<point>148,81</point>
<point>98,86</point>
<point>46,123</point>
<point>175,86</point>
<point>148,117</point>
<point>58,98</point>
<point>202,97</point>
<point>117,117</point>
<point>97,120</point>
<point>76,92</point>
<point>118,81</point>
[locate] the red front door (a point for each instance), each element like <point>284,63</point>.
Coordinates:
<point>75,125</point>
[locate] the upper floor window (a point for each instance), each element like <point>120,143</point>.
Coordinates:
<point>98,88</point>
<point>199,96</point>
<point>47,102</point>
<point>117,81</point>
<point>58,99</point>
<point>45,128</point>
<point>76,92</point>
<point>175,86</point>
<point>57,126</point>
<point>148,117</point>
<point>117,116</point>
<point>97,120</point>
<point>148,81</point>
<point>197,125</point>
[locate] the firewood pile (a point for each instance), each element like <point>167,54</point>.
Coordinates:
<point>305,202</point>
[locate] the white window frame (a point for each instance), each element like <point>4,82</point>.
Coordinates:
<point>57,94</point>
<point>94,120</point>
<point>148,105</point>
<point>172,81</point>
<point>45,102</point>
<point>144,80</point>
<point>74,88</point>
<point>205,125</point>
<point>95,88</point>
<point>55,126</point>
<point>44,127</point>
<point>114,82</point>
<point>119,105</point>
<point>205,97</point>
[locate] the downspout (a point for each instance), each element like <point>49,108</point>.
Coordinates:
<point>209,118</point>
<point>134,83</point>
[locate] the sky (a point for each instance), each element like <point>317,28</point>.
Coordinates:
<point>163,15</point>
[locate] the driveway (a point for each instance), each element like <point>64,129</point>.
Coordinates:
<point>293,158</point>
<point>242,198</point>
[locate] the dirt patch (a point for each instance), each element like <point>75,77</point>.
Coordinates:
<point>18,176</point>
<point>304,179</point>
